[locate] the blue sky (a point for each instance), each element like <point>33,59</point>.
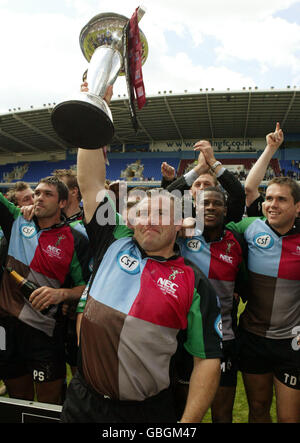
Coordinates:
<point>192,44</point>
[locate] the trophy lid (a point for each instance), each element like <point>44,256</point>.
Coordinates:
<point>107,30</point>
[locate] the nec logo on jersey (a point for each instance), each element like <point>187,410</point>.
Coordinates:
<point>167,286</point>
<point>27,230</point>
<point>52,251</point>
<point>226,258</point>
<point>129,262</point>
<point>263,240</point>
<point>194,245</point>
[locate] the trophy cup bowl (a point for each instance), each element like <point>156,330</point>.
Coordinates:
<point>86,121</point>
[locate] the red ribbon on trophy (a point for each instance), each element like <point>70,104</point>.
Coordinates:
<point>135,60</point>
<point>133,67</point>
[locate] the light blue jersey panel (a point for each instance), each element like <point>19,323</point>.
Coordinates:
<point>78,226</point>
<point>121,261</point>
<point>23,240</point>
<point>190,248</point>
<point>264,248</point>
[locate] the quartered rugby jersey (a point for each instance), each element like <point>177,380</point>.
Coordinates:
<point>135,308</point>
<point>47,257</point>
<point>220,261</point>
<point>273,308</point>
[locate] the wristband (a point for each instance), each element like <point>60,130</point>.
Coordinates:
<point>190,177</point>
<point>220,172</point>
<point>217,163</point>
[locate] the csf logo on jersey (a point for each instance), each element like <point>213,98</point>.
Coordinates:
<point>128,262</point>
<point>194,245</point>
<point>27,230</point>
<point>218,326</point>
<point>263,240</point>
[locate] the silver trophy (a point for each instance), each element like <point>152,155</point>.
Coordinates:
<point>86,121</point>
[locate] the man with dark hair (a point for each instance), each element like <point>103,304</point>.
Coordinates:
<point>269,328</point>
<point>61,188</point>
<point>292,184</point>
<point>48,252</point>
<point>220,254</point>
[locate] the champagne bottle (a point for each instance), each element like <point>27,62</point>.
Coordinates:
<point>26,286</point>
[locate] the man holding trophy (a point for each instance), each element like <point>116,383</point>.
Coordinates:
<point>144,301</point>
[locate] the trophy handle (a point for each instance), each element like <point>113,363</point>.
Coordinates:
<point>104,68</point>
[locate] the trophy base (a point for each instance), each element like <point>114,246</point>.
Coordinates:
<point>82,124</point>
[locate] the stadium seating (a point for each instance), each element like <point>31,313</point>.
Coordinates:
<point>152,167</point>
<point>39,169</point>
<point>125,166</point>
<point>35,171</point>
<point>291,168</point>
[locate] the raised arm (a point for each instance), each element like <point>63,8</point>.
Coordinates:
<point>233,187</point>
<point>91,172</point>
<point>168,174</point>
<point>91,175</point>
<point>185,182</point>
<point>257,172</point>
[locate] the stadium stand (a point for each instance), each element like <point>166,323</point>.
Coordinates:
<point>142,169</point>
<point>291,168</point>
<point>30,172</point>
<point>236,123</point>
<point>33,171</point>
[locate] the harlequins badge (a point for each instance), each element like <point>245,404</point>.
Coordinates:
<point>174,273</point>
<point>229,246</point>
<point>60,238</point>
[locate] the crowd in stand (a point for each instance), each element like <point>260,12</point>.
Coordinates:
<point>145,312</point>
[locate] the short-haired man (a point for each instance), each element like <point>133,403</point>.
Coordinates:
<point>269,349</point>
<point>142,294</point>
<point>220,254</point>
<point>48,252</point>
<point>20,194</point>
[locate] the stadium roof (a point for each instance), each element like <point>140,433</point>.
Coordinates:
<point>167,116</point>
